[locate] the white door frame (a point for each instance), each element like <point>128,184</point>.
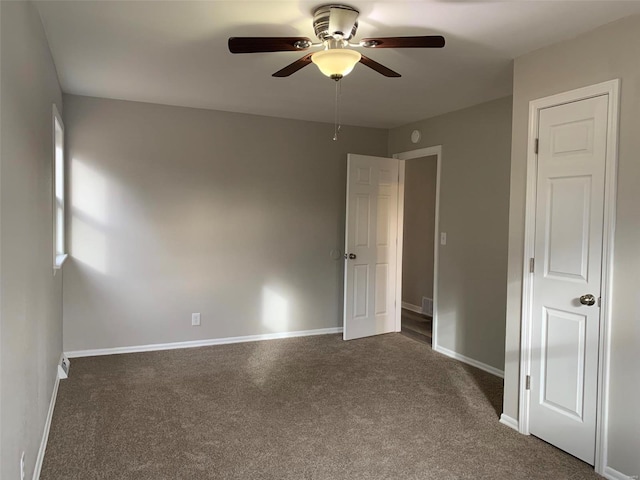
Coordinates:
<point>610,88</point>
<point>403,156</point>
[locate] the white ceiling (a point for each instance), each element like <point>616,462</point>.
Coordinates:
<point>176,53</point>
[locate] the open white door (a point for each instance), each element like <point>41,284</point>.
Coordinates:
<point>567,274</point>
<point>370,246</point>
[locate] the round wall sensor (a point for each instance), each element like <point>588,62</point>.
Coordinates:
<point>415,136</point>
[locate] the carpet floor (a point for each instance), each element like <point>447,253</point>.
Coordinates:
<point>385,407</point>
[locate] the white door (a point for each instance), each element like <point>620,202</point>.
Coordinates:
<point>370,246</point>
<point>567,274</point>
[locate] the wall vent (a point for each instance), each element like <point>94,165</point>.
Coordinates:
<point>427,306</point>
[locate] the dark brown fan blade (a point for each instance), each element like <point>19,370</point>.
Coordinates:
<point>294,67</point>
<point>429,41</point>
<point>267,44</point>
<point>372,64</point>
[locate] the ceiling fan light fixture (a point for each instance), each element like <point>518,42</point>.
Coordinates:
<point>336,63</point>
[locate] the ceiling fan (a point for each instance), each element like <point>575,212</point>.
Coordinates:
<point>334,25</point>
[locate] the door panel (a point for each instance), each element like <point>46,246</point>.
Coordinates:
<point>569,227</point>
<point>573,138</point>
<point>360,291</point>
<point>568,257</point>
<point>382,285</point>
<point>363,217</point>
<point>563,362</point>
<point>382,236</point>
<point>371,232</point>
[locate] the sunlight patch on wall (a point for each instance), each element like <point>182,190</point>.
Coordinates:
<point>89,245</point>
<point>275,311</point>
<point>89,206</point>
<point>88,191</point>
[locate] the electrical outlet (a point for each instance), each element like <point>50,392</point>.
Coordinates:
<point>22,475</point>
<point>195,319</point>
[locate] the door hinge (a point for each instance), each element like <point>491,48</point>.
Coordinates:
<point>599,301</point>
<point>532,265</point>
<point>528,382</point>
<point>536,145</point>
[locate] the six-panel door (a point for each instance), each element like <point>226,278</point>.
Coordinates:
<point>568,257</point>
<point>371,235</point>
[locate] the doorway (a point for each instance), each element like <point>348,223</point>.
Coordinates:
<point>374,243</point>
<point>418,248</point>
<point>418,240</point>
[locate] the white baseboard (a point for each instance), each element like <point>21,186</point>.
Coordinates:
<point>200,343</point>
<point>470,361</point>
<point>509,422</point>
<point>63,367</point>
<point>412,307</point>
<point>613,474</point>
<point>47,427</point>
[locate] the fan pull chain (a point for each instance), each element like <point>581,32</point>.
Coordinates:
<point>336,123</point>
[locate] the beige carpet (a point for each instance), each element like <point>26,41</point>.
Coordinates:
<point>307,408</point>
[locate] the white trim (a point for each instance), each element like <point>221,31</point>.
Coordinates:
<point>608,238</point>
<point>59,260</point>
<point>62,373</point>
<point>403,156</point>
<point>58,257</point>
<point>47,427</point>
<point>400,243</point>
<point>470,361</point>
<point>411,307</point>
<point>200,343</point>
<point>613,474</point>
<point>509,422</point>
<point>610,88</point>
<point>345,286</point>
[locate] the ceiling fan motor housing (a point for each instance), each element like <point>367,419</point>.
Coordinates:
<point>334,24</point>
<point>335,21</point>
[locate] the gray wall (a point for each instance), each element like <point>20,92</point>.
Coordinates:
<point>419,228</point>
<point>177,210</point>
<point>474,195</point>
<point>31,297</point>
<point>603,54</point>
